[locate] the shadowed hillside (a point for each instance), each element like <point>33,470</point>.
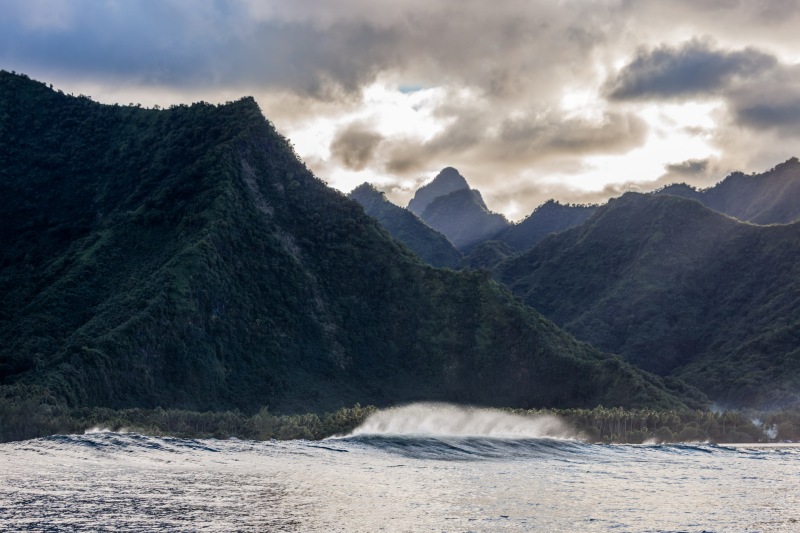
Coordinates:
<point>187,258</point>
<point>447,181</point>
<point>464,218</point>
<point>550,217</point>
<point>406,227</point>
<point>677,289</point>
<point>769,198</point>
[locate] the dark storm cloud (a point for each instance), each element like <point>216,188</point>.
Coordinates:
<point>771,115</point>
<point>323,49</point>
<point>184,44</point>
<point>515,61</point>
<point>690,167</point>
<point>770,104</point>
<point>355,145</point>
<point>148,41</point>
<point>692,69</point>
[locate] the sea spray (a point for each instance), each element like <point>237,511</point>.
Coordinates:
<point>98,429</point>
<point>445,420</point>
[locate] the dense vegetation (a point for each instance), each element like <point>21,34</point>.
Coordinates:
<point>487,255</point>
<point>769,198</point>
<point>449,206</point>
<point>186,258</point>
<point>677,289</point>
<point>29,419</point>
<point>404,226</point>
<point>550,217</point>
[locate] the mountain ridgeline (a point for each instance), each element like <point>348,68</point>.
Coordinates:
<point>404,226</point>
<point>449,206</point>
<point>447,181</point>
<point>550,217</point>
<point>186,258</point>
<point>677,289</point>
<point>463,216</point>
<point>681,282</point>
<point>769,198</point>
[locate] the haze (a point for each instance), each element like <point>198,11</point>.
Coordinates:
<point>572,100</point>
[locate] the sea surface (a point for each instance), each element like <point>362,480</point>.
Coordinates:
<point>437,470</point>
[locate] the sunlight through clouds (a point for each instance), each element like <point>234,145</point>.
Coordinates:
<point>571,100</point>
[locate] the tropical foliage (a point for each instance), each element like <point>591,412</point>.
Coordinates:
<point>185,258</point>
<point>677,289</point>
<point>404,226</point>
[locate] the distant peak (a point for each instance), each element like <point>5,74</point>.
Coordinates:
<point>447,181</point>
<point>366,188</point>
<point>366,185</point>
<point>366,192</point>
<point>792,162</point>
<point>451,176</point>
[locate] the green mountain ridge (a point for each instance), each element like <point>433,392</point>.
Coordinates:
<point>677,289</point>
<point>404,226</point>
<point>550,217</point>
<point>772,197</point>
<point>186,258</point>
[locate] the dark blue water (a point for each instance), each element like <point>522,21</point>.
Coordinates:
<point>394,482</point>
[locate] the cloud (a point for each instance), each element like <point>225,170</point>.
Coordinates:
<point>504,67</point>
<point>355,145</point>
<point>769,104</point>
<point>690,167</point>
<point>513,143</point>
<point>693,69</point>
<point>783,115</point>
<point>778,10</point>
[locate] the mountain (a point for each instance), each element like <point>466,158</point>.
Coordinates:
<point>447,181</point>
<point>186,258</point>
<point>677,289</point>
<point>464,218</point>
<point>550,217</point>
<point>406,227</point>
<point>487,255</point>
<point>769,198</point>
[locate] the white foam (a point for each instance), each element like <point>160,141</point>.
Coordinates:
<point>437,419</point>
<point>97,429</point>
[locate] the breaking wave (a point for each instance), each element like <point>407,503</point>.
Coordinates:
<point>449,432</point>
<point>444,420</point>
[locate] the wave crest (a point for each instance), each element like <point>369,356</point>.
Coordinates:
<point>445,420</point>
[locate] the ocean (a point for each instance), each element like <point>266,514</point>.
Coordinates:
<point>427,468</point>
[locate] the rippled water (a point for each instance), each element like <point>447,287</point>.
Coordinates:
<point>394,482</point>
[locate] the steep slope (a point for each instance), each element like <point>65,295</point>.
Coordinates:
<point>550,217</point>
<point>187,258</point>
<point>677,289</point>
<point>447,181</point>
<point>487,255</point>
<point>464,218</point>
<point>769,198</point>
<point>406,227</point>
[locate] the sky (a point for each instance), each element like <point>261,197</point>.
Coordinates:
<point>530,100</point>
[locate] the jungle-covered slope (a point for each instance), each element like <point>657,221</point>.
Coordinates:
<point>677,289</point>
<point>772,197</point>
<point>404,226</point>
<point>186,258</point>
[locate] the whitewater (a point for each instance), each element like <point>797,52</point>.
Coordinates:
<point>419,468</point>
